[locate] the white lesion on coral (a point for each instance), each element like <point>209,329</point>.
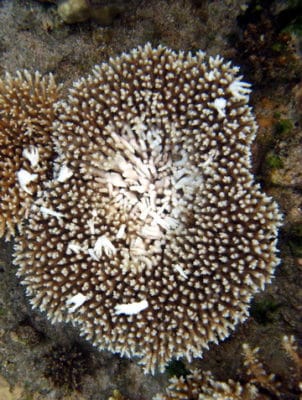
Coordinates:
<point>151,231</point>
<point>151,180</point>
<point>240,90</point>
<point>137,246</point>
<point>207,163</point>
<point>92,254</point>
<point>131,308</point>
<point>76,301</point>
<point>145,206</point>
<point>220,104</point>
<point>74,247</point>
<point>181,271</point>
<point>32,155</point>
<point>48,211</point>
<point>64,174</point>
<point>137,256</point>
<point>121,233</point>
<point>91,222</point>
<point>167,223</point>
<point>25,178</point>
<point>103,245</point>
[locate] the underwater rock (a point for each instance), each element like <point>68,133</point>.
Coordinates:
<point>72,11</point>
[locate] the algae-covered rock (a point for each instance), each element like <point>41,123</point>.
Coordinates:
<point>72,11</point>
<point>104,15</point>
<point>287,170</point>
<point>7,393</point>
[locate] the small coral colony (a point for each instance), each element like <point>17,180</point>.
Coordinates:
<point>132,203</point>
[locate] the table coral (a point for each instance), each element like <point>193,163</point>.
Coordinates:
<point>152,237</point>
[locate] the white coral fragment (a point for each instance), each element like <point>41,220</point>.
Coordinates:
<point>103,244</point>
<point>115,179</point>
<point>64,174</point>
<point>25,178</point>
<point>131,308</point>
<point>220,104</point>
<point>240,90</point>
<point>91,222</point>
<point>32,155</point>
<point>76,301</point>
<point>137,247</point>
<point>49,211</point>
<point>121,232</point>
<point>151,232</point>
<point>74,247</point>
<point>93,255</point>
<point>180,271</point>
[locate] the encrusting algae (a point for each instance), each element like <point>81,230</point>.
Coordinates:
<point>151,236</point>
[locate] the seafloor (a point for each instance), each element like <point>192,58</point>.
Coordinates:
<point>41,361</point>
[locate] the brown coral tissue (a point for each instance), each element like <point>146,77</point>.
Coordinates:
<point>26,117</point>
<point>152,237</point>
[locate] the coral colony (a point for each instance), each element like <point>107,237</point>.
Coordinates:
<point>26,116</point>
<point>260,384</point>
<point>151,236</point>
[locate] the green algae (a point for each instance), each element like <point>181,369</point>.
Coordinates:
<point>272,160</point>
<point>283,127</point>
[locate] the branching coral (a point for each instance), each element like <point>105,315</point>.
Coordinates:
<point>152,237</point>
<point>261,384</point>
<point>203,386</point>
<point>256,371</point>
<point>291,347</point>
<point>26,117</point>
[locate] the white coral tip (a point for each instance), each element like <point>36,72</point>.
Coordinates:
<point>76,301</point>
<point>49,211</point>
<point>151,232</point>
<point>121,232</point>
<point>104,244</point>
<point>240,89</point>
<point>93,255</point>
<point>64,174</point>
<point>24,178</point>
<point>220,104</point>
<point>74,247</point>
<point>32,155</point>
<point>131,308</point>
<point>180,270</point>
<point>115,179</point>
